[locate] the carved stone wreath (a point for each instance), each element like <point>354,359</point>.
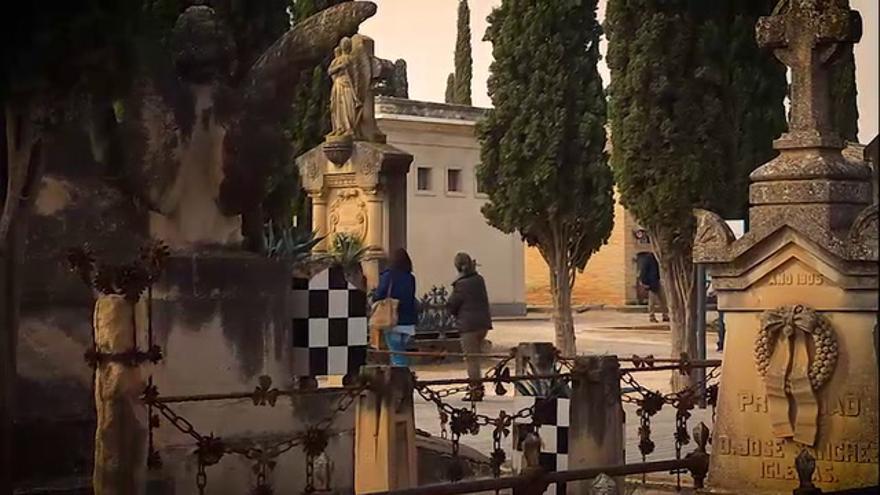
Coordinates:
<point>783,323</point>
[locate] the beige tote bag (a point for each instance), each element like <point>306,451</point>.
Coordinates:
<point>384,313</point>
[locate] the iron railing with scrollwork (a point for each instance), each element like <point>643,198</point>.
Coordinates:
<point>435,321</point>
<point>458,421</point>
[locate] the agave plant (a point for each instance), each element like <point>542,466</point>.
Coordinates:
<point>289,242</point>
<point>349,251</point>
<point>547,387</point>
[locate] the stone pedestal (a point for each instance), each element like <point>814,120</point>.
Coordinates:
<point>815,388</point>
<point>359,188</point>
<point>799,291</point>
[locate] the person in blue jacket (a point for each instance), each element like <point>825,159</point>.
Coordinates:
<point>398,282</point>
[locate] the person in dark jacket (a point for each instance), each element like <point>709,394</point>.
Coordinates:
<point>649,279</point>
<point>398,282</point>
<point>469,304</point>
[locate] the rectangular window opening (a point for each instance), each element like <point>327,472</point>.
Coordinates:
<point>453,180</point>
<point>423,179</point>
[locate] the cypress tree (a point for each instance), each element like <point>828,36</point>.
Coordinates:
<point>450,88</point>
<point>844,109</point>
<point>754,89</point>
<point>463,60</point>
<point>544,165</point>
<point>667,113</point>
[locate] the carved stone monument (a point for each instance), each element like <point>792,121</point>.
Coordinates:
<point>357,182</point>
<point>799,290</point>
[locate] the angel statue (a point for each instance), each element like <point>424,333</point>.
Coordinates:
<point>346,107</point>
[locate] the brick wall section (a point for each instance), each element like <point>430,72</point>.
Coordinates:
<point>609,277</point>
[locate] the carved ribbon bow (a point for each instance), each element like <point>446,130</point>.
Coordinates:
<point>784,361</point>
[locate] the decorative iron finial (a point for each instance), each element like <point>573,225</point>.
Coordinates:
<point>604,485</point>
<point>323,473</point>
<point>805,464</point>
<point>531,448</point>
<point>701,436</point>
<point>699,459</point>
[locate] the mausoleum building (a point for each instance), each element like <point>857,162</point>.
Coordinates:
<point>444,200</point>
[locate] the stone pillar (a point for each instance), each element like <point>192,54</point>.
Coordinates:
<point>376,238</point>
<point>385,436</point>
<point>121,430</point>
<point>319,220</point>
<point>597,436</point>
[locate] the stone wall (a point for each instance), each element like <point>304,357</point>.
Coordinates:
<point>609,277</point>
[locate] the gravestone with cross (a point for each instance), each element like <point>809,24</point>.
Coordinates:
<point>799,290</point>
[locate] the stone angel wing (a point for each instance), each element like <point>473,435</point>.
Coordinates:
<point>362,72</point>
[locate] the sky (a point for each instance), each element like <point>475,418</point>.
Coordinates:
<point>422,32</point>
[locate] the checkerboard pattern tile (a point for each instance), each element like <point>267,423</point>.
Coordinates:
<point>329,325</point>
<point>552,420</point>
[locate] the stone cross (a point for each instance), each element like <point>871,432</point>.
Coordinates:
<point>807,36</point>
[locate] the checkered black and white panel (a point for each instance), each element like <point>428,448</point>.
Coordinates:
<point>329,325</point>
<point>552,419</point>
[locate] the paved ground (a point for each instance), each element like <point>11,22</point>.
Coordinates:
<point>597,332</point>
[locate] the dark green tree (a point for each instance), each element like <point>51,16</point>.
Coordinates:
<point>54,58</point>
<point>753,90</point>
<point>463,60</point>
<point>667,113</point>
<point>544,164</point>
<point>450,88</point>
<point>844,108</point>
<point>305,127</point>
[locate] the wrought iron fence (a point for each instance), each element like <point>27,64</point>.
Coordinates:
<point>435,321</point>
<point>457,421</point>
<point>211,449</point>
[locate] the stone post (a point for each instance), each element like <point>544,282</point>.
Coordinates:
<point>121,432</point>
<point>702,290</point>
<point>375,237</point>
<point>596,437</point>
<point>385,436</point>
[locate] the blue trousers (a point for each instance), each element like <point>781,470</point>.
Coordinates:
<point>396,342</point>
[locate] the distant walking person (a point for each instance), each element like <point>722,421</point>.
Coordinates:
<point>469,304</point>
<point>649,279</point>
<point>398,282</point>
<point>721,330</point>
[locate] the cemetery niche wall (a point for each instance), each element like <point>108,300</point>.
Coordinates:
<point>799,290</point>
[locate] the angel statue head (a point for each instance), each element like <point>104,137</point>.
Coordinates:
<point>345,45</point>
